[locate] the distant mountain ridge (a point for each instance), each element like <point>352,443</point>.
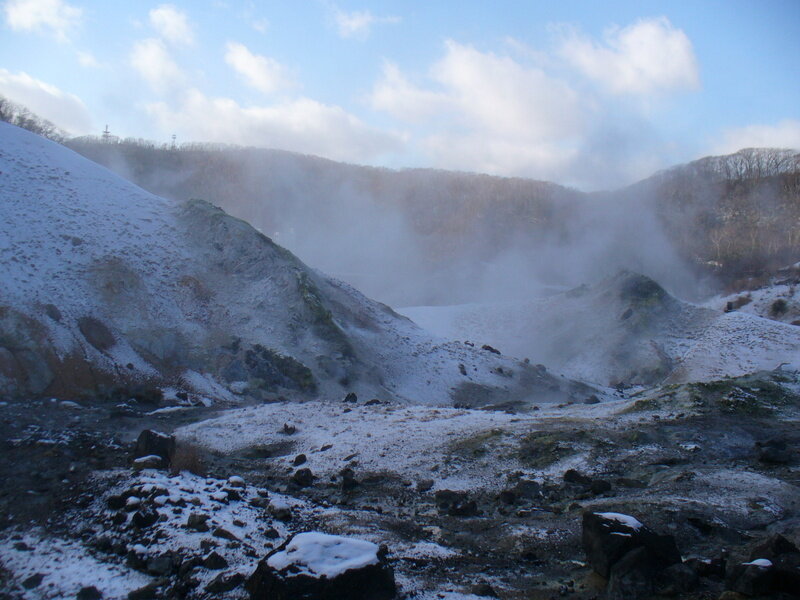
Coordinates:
<point>457,233</point>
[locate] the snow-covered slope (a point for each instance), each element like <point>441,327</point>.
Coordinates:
<point>104,284</point>
<point>626,329</point>
<point>779,301</point>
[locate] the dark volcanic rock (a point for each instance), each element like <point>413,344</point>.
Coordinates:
<point>148,592</point>
<point>291,573</point>
<point>163,564</point>
<point>753,578</point>
<point>156,444</point>
<point>631,576</point>
<point>676,580</point>
<point>214,561</point>
<point>713,568</point>
<point>89,593</point>
<point>639,575</point>
<point>225,582</point>
<point>96,333</point>
<point>773,452</point>
<point>607,537</point>
<point>528,489</point>
<point>197,521</point>
<point>573,476</point>
<point>483,589</point>
<point>144,518</point>
<point>349,481</point>
<point>303,477</point>
<point>455,503</point>
<point>599,486</point>
<point>507,496</point>
<point>424,485</point>
<point>220,532</point>
<point>781,575</point>
<point>33,581</point>
<point>772,547</point>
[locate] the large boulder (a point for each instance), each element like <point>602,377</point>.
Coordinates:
<point>621,548</point>
<point>774,567</point>
<point>318,566</point>
<point>155,443</point>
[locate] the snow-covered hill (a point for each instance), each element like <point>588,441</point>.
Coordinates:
<point>779,300</point>
<point>627,329</point>
<point>104,284</point>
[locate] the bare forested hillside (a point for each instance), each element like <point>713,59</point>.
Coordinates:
<point>425,236</point>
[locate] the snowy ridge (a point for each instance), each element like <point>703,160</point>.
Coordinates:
<point>105,284</point>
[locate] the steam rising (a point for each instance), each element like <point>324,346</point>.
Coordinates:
<point>419,237</point>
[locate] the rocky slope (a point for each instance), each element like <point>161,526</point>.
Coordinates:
<point>105,285</point>
<point>468,504</point>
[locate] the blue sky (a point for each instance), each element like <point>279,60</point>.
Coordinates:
<point>591,94</point>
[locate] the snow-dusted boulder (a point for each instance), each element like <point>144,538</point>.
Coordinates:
<point>152,443</point>
<point>318,566</point>
<point>608,537</point>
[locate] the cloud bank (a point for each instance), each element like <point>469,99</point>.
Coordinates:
<point>358,24</point>
<point>52,17</point>
<point>65,110</point>
<point>260,72</point>
<point>785,134</point>
<point>550,117</point>
<point>172,25</point>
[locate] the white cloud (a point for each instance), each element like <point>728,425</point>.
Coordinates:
<point>650,56</point>
<point>153,62</point>
<point>785,134</point>
<point>87,59</point>
<point>488,113</point>
<point>260,25</point>
<point>358,24</point>
<point>301,125</point>
<point>54,16</point>
<point>172,24</point>
<point>260,72</point>
<point>66,110</point>
<point>397,96</point>
<point>505,98</point>
<point>521,114</point>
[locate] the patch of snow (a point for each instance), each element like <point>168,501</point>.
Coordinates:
<point>146,459</point>
<point>427,550</point>
<point>319,554</point>
<point>167,409</point>
<point>626,520</point>
<point>67,566</point>
<point>764,563</point>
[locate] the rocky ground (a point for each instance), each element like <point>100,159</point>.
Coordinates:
<point>467,503</point>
